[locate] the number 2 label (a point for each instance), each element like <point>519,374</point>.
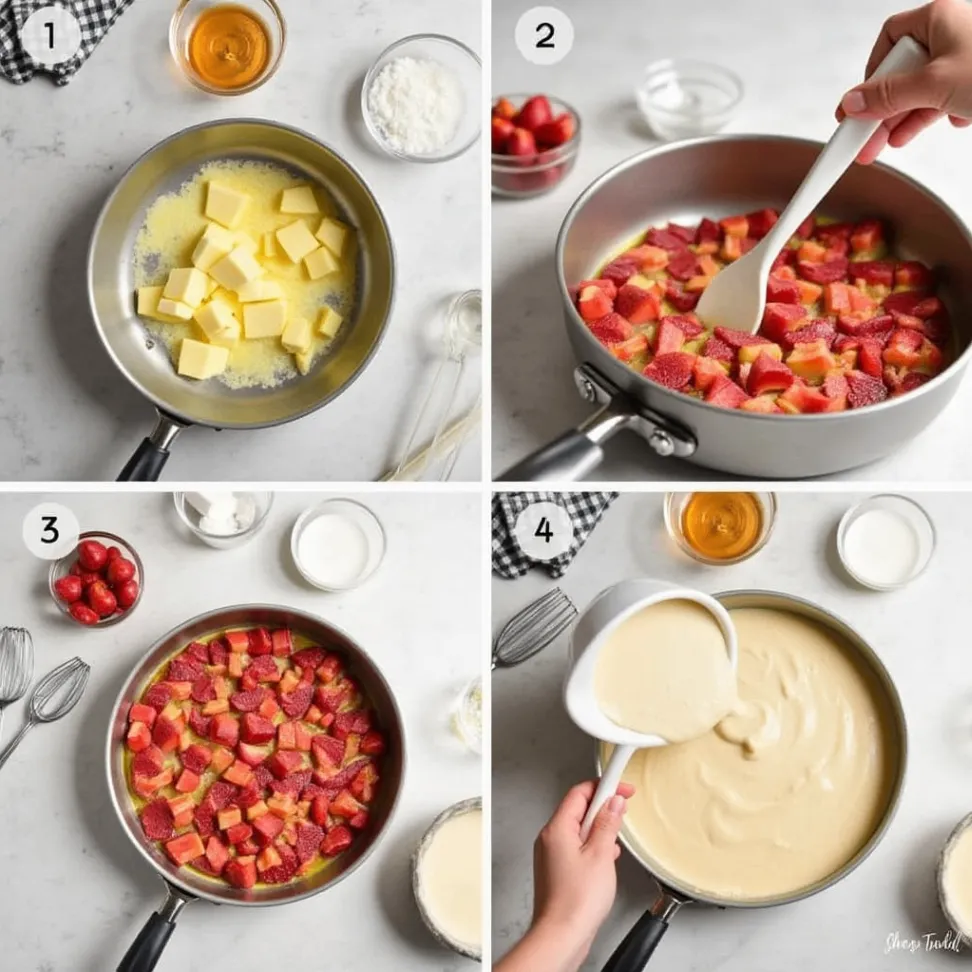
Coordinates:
<point>544,35</point>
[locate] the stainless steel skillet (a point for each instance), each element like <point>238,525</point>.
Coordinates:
<point>717,176</point>
<point>183,886</point>
<point>181,402</point>
<point>635,950</point>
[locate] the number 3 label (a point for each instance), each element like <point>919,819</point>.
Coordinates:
<point>544,35</point>
<point>51,35</point>
<point>544,531</point>
<point>51,531</point>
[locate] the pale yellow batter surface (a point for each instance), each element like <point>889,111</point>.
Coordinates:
<point>450,878</point>
<point>788,788</point>
<point>957,881</point>
<point>666,671</point>
<point>172,228</point>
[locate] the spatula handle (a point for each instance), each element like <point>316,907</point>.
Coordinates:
<point>844,146</point>
<point>607,786</point>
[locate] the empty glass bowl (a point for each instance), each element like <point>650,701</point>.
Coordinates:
<point>685,99</point>
<point>464,66</point>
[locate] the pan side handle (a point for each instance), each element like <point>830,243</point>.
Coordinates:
<point>147,948</point>
<point>150,457</point>
<point>634,952</point>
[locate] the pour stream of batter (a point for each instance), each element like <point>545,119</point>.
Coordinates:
<point>788,787</point>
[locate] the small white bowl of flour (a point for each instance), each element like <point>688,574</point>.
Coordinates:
<point>421,98</point>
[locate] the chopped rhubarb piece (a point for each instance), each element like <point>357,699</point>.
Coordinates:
<point>363,785</point>
<point>637,305</point>
<point>624,351</point>
<point>593,303</point>
<point>867,236</point>
<point>266,828</point>
<point>750,352</point>
<point>237,641</point>
<point>330,669</point>
<point>338,839</point>
<point>351,747</point>
<point>864,390</point>
<point>148,762</point>
<point>255,729</point>
<point>725,393</point>
<point>187,782</point>
<point>165,735</point>
<point>283,763</point>
<point>705,372</point>
<point>327,750</point>
<point>913,275</point>
<point>257,809</point>
<point>869,358</point>
<point>872,271</point>
<point>765,404</point>
<point>241,872</point>
<point>647,258</point>
<point>782,291</point>
<point>182,808</point>
<point>239,773</point>
<point>801,398</point>
<point>287,735</point>
<point>814,331</point>
<point>140,712</point>
<point>229,817</point>
<point>252,755</point>
<point>225,730</point>
<point>737,226</point>
<point>180,690</point>
<point>239,833</point>
<point>139,736</point>
<point>217,853</point>
<point>215,707</point>
<point>810,293</point>
<point>185,848</point>
<point>146,786</point>
<point>683,265</point>
<point>679,298</point>
<point>157,820</point>
<point>768,375</point>
<point>234,665</point>
<point>778,319</point>
<point>812,360</point>
<point>669,370</point>
<point>222,758</point>
<point>304,738</point>
<point>259,642</point>
<point>731,248</point>
<point>837,298</point>
<point>611,328</point>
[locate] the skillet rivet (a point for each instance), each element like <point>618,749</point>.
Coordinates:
<point>586,387</point>
<point>661,442</point>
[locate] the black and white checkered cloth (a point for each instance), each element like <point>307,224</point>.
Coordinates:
<point>95,17</point>
<point>584,509</point>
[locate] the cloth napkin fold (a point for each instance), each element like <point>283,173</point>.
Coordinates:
<point>584,509</point>
<point>95,18</point>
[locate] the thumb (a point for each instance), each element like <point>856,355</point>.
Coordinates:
<point>893,94</point>
<point>607,823</point>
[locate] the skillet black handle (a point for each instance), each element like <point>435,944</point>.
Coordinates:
<point>150,457</point>
<point>567,459</point>
<point>147,949</point>
<point>633,953</point>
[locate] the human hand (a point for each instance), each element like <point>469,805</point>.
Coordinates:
<point>574,880</point>
<point>908,103</point>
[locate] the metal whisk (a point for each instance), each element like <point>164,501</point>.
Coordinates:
<point>54,696</point>
<point>533,628</point>
<point>16,666</point>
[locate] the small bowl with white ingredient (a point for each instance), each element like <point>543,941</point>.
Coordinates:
<point>885,541</point>
<point>337,544</point>
<point>222,519</point>
<point>420,99</point>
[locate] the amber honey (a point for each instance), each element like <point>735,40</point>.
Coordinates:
<point>722,526</point>
<point>229,47</point>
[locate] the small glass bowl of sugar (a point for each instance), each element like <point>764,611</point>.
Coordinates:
<point>222,519</point>
<point>337,544</point>
<point>421,98</point>
<point>885,541</point>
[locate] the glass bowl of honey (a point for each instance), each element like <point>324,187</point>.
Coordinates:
<point>227,48</point>
<point>720,528</point>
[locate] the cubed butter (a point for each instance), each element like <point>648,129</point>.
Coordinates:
<point>236,269</point>
<point>187,284</point>
<point>213,245</point>
<point>330,322</point>
<point>217,320</point>
<point>333,234</point>
<point>225,205</point>
<point>299,201</point>
<point>200,360</point>
<point>257,290</point>
<point>147,304</point>
<point>296,336</point>
<point>265,319</point>
<point>247,242</point>
<point>175,308</point>
<point>320,263</point>
<point>296,240</point>
<point>304,360</point>
<point>269,245</point>
<point>212,288</point>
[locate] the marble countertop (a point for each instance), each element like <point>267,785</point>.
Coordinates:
<point>920,632</point>
<point>793,76</point>
<point>66,413</point>
<point>75,892</point>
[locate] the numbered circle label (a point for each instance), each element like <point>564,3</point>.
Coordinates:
<point>544,35</point>
<point>51,35</point>
<point>544,531</point>
<point>51,531</point>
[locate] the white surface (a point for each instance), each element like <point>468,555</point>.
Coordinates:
<point>793,77</point>
<point>75,892</point>
<point>65,411</point>
<point>921,634</point>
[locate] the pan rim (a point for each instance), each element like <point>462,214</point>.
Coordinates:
<point>645,385</point>
<point>160,404</point>
<point>684,893</point>
<point>216,897</point>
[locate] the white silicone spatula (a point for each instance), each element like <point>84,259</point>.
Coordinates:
<point>736,296</point>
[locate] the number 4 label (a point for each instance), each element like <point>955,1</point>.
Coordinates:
<point>544,531</point>
<point>544,35</point>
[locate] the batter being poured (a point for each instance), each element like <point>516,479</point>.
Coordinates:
<point>666,671</point>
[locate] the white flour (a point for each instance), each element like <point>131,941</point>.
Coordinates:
<point>417,105</point>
